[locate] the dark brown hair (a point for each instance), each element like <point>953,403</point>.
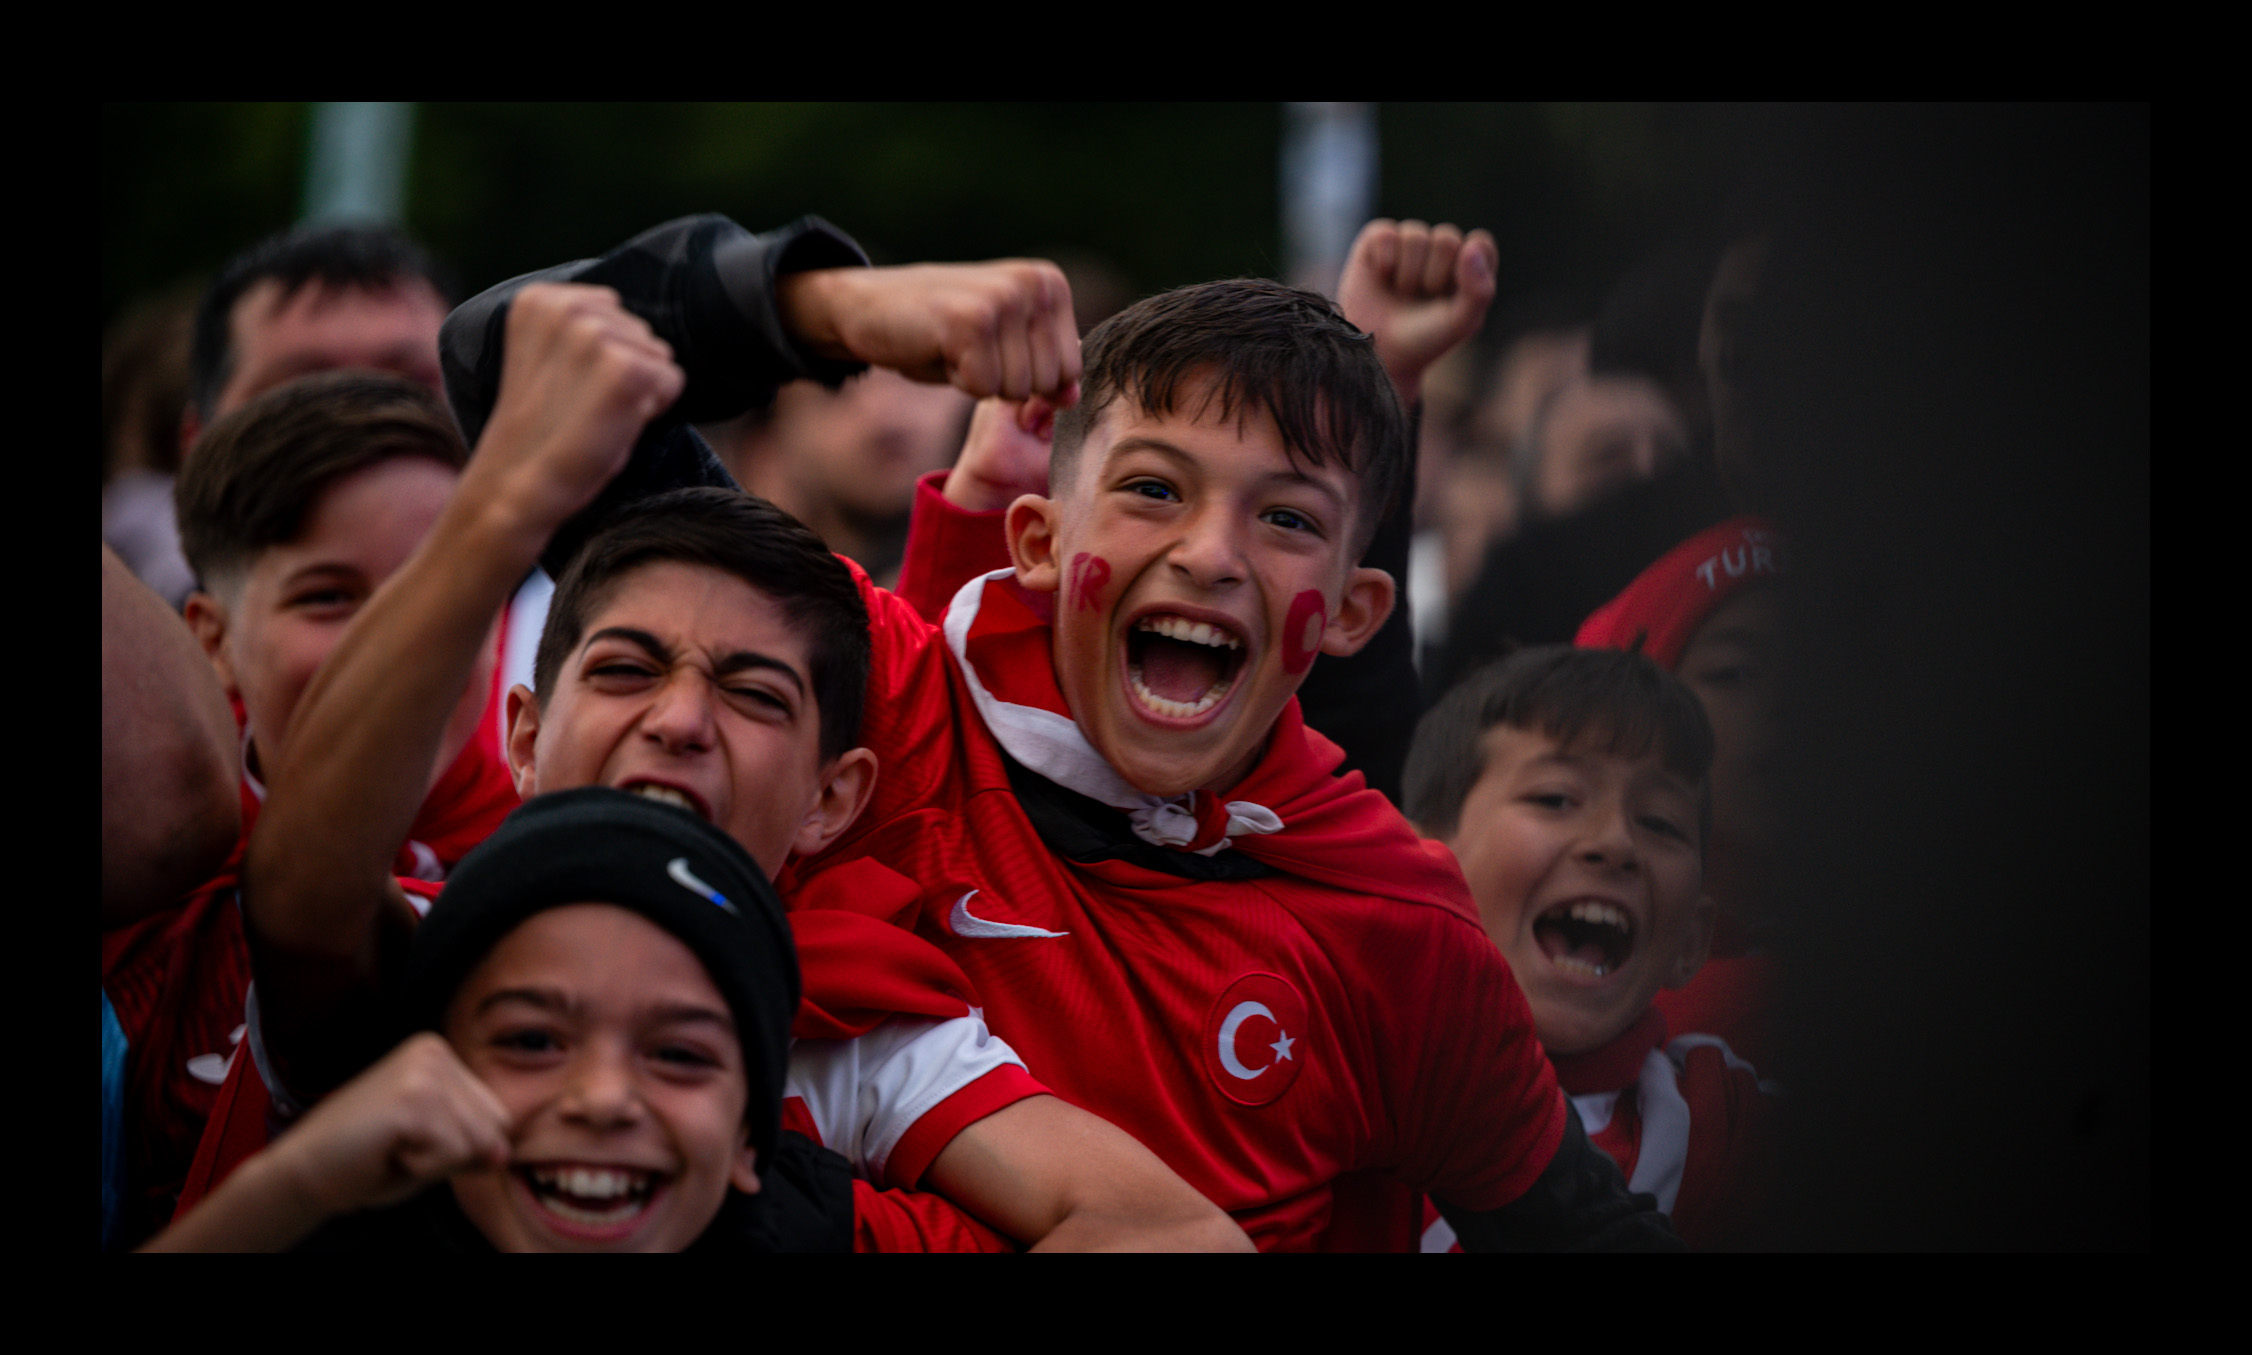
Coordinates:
<point>1600,700</point>
<point>252,477</point>
<point>369,257</point>
<point>1241,348</point>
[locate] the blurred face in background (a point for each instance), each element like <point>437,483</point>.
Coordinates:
<point>277,337</point>
<point>1602,434</point>
<point>856,452</point>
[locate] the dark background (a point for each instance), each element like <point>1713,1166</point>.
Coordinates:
<point>1169,194</point>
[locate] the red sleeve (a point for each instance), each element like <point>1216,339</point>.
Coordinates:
<point>909,719</point>
<point>906,1220</point>
<point>921,1145</point>
<point>1472,1099</point>
<point>947,547</point>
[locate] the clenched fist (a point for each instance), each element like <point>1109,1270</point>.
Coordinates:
<point>583,376</point>
<point>1419,290</point>
<point>1002,328</point>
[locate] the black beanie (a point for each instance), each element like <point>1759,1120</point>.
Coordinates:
<point>605,846</point>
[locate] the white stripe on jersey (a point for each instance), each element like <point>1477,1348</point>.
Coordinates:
<point>865,1094</point>
<point>1664,1148</point>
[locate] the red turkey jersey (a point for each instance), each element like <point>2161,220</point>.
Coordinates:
<point>1307,1021</point>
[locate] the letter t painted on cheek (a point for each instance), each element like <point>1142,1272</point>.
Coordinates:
<point>1302,631</point>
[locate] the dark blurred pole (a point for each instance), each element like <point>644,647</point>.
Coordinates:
<point>356,167</point>
<point>1952,366</point>
<point>1328,187</point>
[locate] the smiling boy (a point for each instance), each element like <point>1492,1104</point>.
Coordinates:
<point>1572,785</point>
<point>1128,838</point>
<point>614,986</point>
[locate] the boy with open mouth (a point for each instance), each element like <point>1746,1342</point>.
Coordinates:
<point>1572,784</point>
<point>1095,767</point>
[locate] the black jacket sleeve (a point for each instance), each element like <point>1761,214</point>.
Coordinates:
<point>705,286</point>
<point>1580,1203</point>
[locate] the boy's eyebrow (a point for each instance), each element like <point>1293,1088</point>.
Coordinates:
<point>639,639</point>
<point>1293,476</point>
<point>546,999</point>
<point>733,663</point>
<point>673,1013</point>
<point>663,1013</point>
<point>320,569</point>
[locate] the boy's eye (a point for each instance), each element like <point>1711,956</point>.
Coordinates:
<point>528,1041</point>
<point>1665,827</point>
<point>619,670</point>
<point>761,697</point>
<point>322,599</point>
<point>686,1056</point>
<point>1152,489</point>
<point>1549,799</point>
<point>1290,519</point>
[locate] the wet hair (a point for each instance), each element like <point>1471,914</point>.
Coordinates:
<point>367,257</point>
<point>1603,701</point>
<point>1246,347</point>
<point>254,475</point>
<point>739,534</point>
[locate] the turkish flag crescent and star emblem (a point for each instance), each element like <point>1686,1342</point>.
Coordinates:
<point>1254,1040</point>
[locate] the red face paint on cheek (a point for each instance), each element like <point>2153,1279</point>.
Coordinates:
<point>1088,575</point>
<point>1302,632</point>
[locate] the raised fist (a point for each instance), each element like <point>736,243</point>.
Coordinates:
<point>581,378</point>
<point>1418,290</point>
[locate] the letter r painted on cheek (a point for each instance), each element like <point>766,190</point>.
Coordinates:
<point>1302,631</point>
<point>1089,573</point>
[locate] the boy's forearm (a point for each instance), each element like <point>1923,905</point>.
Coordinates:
<point>1048,1173</point>
<point>256,1209</point>
<point>355,764</point>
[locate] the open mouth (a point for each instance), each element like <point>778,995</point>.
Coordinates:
<point>603,1199</point>
<point>1179,668</point>
<point>1586,937</point>
<point>669,795</point>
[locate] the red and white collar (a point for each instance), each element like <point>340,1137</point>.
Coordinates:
<point>1000,640</point>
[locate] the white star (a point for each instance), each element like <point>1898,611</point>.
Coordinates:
<point>1282,1046</point>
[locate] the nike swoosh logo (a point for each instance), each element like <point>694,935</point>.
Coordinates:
<point>686,879</point>
<point>964,924</point>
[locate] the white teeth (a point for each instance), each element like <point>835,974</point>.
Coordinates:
<point>1177,710</point>
<point>592,1195</point>
<point>1590,910</point>
<point>596,1183</point>
<point>665,795</point>
<point>1190,632</point>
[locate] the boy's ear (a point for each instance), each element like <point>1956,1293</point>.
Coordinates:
<point>846,787</point>
<point>208,619</point>
<point>1369,594</point>
<point>523,738</point>
<point>1031,527</point>
<point>1696,946</point>
<point>742,1173</point>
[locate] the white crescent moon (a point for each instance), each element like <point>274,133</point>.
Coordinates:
<point>1236,1017</point>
